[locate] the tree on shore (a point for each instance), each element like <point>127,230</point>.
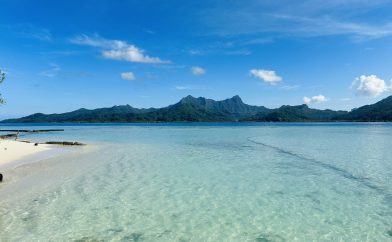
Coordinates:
<point>2,78</point>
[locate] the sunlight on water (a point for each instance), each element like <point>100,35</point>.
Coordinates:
<point>292,182</point>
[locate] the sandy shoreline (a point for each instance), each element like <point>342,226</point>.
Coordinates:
<point>13,151</point>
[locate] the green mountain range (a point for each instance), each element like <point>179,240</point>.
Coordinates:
<point>191,109</point>
<point>380,111</point>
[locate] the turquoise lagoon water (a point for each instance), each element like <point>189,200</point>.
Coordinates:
<point>210,182</point>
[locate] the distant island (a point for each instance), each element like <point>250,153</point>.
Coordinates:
<point>191,109</point>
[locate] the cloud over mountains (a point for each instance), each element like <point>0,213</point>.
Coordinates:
<point>370,85</point>
<point>267,76</point>
<point>117,49</point>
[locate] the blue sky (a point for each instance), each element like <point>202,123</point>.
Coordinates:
<point>64,55</point>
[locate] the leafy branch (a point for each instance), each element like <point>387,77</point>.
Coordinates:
<point>2,78</point>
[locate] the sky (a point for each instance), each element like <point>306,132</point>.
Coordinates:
<point>59,56</point>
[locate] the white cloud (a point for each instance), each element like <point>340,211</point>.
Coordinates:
<point>195,52</point>
<point>189,88</point>
<point>325,25</point>
<point>129,76</point>
<point>149,31</point>
<point>117,49</point>
<point>183,88</point>
<point>98,41</point>
<point>308,18</point>
<point>369,86</point>
<point>53,72</point>
<point>132,54</point>
<point>56,71</point>
<point>198,71</point>
<point>32,32</point>
<point>238,52</point>
<point>267,76</point>
<point>315,99</point>
<point>289,87</point>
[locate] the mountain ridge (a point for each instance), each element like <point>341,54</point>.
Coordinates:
<point>200,109</point>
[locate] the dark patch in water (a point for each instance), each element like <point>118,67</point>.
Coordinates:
<point>336,170</point>
<point>88,239</point>
<point>269,238</point>
<point>261,239</point>
<point>133,237</point>
<point>29,216</point>
<point>313,198</point>
<point>389,232</point>
<point>279,193</point>
<point>162,234</point>
<point>115,230</point>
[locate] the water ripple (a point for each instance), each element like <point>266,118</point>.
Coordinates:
<point>336,170</point>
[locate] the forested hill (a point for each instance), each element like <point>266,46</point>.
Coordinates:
<point>380,111</point>
<point>191,109</point>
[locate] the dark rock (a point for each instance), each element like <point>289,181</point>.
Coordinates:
<point>30,131</point>
<point>63,143</point>
<point>5,136</point>
<point>1,177</point>
<point>36,144</point>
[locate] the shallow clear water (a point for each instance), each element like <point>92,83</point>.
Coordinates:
<point>210,182</point>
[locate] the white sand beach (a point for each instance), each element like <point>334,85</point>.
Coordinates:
<point>15,150</point>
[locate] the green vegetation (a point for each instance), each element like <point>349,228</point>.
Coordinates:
<point>378,112</point>
<point>300,113</point>
<point>191,109</point>
<point>2,78</point>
